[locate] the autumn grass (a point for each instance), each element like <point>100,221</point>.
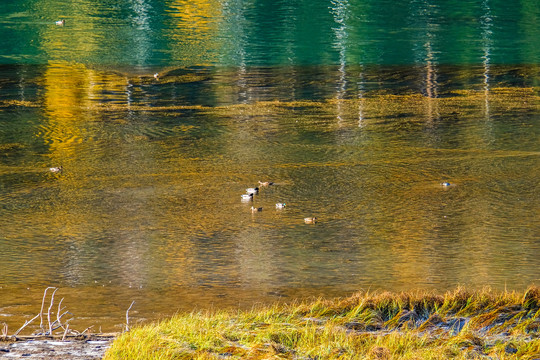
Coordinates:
<point>456,325</point>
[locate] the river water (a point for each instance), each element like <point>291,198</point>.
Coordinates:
<point>358,112</point>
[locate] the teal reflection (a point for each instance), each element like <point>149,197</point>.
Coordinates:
<point>151,33</point>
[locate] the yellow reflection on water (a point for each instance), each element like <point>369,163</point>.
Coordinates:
<point>65,89</point>
<point>192,31</point>
<point>78,36</point>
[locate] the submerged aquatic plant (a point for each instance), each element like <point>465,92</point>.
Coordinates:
<point>458,324</point>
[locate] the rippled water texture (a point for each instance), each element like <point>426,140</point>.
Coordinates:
<point>356,117</point>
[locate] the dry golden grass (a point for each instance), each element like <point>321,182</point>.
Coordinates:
<point>457,325</point>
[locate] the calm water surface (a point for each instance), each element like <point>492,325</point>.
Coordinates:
<point>356,111</point>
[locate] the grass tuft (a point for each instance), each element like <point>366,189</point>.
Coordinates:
<point>455,325</point>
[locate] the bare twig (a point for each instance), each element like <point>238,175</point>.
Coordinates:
<point>127,315</point>
<point>65,332</point>
<point>58,311</point>
<point>49,311</point>
<point>56,325</point>
<point>26,323</point>
<point>53,324</point>
<point>41,311</point>
<point>60,318</point>
<point>5,330</point>
<point>88,328</point>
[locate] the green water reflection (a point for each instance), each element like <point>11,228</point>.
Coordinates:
<point>245,33</point>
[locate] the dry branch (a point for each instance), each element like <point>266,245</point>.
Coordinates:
<point>42,306</point>
<point>85,330</point>
<point>53,324</point>
<point>26,323</point>
<point>127,315</point>
<point>65,332</point>
<point>49,312</point>
<point>58,311</point>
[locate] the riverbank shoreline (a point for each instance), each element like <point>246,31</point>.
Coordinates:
<point>81,347</point>
<point>459,324</point>
<point>453,325</point>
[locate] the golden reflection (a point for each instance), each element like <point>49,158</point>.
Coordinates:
<point>71,102</point>
<point>65,94</point>
<point>62,43</point>
<point>374,107</point>
<point>193,33</point>
<point>70,91</point>
<point>195,15</point>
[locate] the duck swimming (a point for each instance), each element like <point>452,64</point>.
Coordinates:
<point>265,183</point>
<point>61,22</point>
<point>56,169</point>
<point>252,191</point>
<point>280,205</point>
<point>310,220</point>
<point>254,209</point>
<point>445,184</point>
<point>247,197</point>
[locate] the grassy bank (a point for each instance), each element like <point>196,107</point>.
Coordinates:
<point>458,324</point>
